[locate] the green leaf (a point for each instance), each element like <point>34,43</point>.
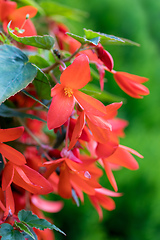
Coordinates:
<point>108,39</point>
<point>6,111</point>
<point>45,42</point>
<point>52,8</point>
<point>42,80</point>
<point>24,228</point>
<point>32,220</point>
<point>15,71</point>
<point>7,232</point>
<point>104,96</point>
<point>28,237</point>
<point>84,40</point>
<point>3,38</point>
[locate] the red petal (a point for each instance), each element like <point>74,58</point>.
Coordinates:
<point>131,84</point>
<point>90,104</point>
<point>131,77</point>
<point>100,134</point>
<point>27,26</point>
<point>77,75</point>
<point>12,154</point>
<point>10,134</point>
<point>106,150</point>
<point>46,205</point>
<point>105,57</point>
<point>111,110</point>
<point>60,110</point>
<point>96,204</point>
<point>131,151</point>
<point>80,123</point>
<point>123,158</point>
<point>82,184</point>
<point>110,175</point>
<point>10,207</point>
<point>107,192</point>
<point>21,13</point>
<point>106,202</point>
<point>7,176</point>
<point>64,186</point>
<point>6,8</point>
<point>31,180</point>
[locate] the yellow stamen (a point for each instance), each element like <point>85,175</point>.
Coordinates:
<point>68,91</point>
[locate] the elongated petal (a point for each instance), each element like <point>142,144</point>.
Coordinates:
<point>108,192</point>
<point>131,151</point>
<point>128,76</point>
<point>60,110</point>
<point>97,206</point>
<point>7,176</point>
<point>110,175</point>
<point>46,205</point>
<point>106,202</point>
<point>131,84</point>
<point>10,134</point>
<point>64,186</point>
<point>90,104</point>
<point>10,206</point>
<point>77,130</point>
<point>6,8</point>
<point>123,158</point>
<point>77,75</point>
<point>12,154</point>
<point>31,180</point>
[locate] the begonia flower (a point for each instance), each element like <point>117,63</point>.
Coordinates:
<point>25,177</point>
<point>102,198</point>
<point>9,12</point>
<point>99,126</point>
<point>10,153</point>
<point>131,84</point>
<point>74,77</point>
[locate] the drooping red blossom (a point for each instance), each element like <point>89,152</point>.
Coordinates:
<point>10,153</point>
<point>131,84</point>
<point>26,178</point>
<point>9,12</point>
<point>102,198</point>
<point>74,77</point>
<point>99,126</point>
<point>104,56</point>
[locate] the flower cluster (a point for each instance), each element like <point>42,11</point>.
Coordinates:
<point>84,138</point>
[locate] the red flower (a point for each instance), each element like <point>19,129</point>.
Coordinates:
<point>10,153</point>
<point>102,197</point>
<point>105,56</point>
<point>131,84</point>
<point>9,12</point>
<point>25,177</point>
<point>74,77</point>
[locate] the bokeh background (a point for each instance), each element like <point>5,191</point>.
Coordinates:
<point>137,213</point>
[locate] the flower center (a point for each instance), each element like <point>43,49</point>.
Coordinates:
<point>68,91</point>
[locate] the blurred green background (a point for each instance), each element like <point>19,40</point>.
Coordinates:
<point>137,213</point>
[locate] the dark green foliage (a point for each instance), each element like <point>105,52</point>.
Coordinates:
<point>16,71</point>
